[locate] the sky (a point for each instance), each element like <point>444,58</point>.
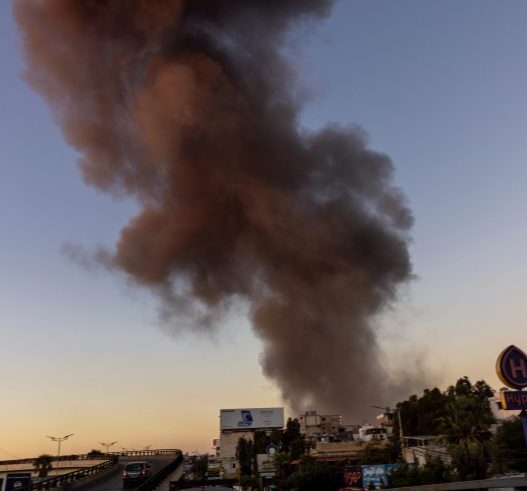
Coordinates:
<point>438,86</point>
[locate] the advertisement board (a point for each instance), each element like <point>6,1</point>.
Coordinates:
<point>376,475</point>
<point>251,418</point>
<point>17,481</point>
<point>353,476</point>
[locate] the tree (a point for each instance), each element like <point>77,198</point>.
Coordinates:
<point>466,428</point>
<point>281,462</point>
<point>434,471</point>
<point>373,454</point>
<point>462,416</point>
<point>43,463</point>
<point>248,482</point>
<point>246,456</point>
<point>293,442</point>
<point>509,453</point>
<point>312,475</point>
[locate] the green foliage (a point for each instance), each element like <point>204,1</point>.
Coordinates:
<point>509,453</point>
<point>249,482</point>
<point>293,443</point>
<point>466,427</point>
<point>419,414</point>
<point>373,454</point>
<point>43,463</point>
<point>470,461</point>
<point>282,464</point>
<point>404,475</point>
<point>462,416</point>
<point>423,415</point>
<point>467,420</point>
<point>246,456</point>
<point>434,471</point>
<point>315,476</point>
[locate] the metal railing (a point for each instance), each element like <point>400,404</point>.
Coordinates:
<point>146,453</point>
<point>97,456</point>
<point>153,482</point>
<point>61,480</point>
<point>62,458</point>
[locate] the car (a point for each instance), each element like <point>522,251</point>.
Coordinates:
<point>136,472</point>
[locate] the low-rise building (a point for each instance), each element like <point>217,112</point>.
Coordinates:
<point>418,449</point>
<point>242,423</point>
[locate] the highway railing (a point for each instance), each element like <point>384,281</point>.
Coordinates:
<point>62,458</point>
<point>64,479</point>
<point>97,456</point>
<point>159,477</point>
<point>146,453</point>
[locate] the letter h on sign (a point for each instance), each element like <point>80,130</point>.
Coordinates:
<point>511,367</point>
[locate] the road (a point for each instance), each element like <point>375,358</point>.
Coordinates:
<point>115,482</point>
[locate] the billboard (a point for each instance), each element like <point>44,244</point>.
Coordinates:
<point>353,476</point>
<point>376,475</point>
<point>252,418</point>
<point>17,481</point>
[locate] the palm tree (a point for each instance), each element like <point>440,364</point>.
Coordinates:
<point>43,465</point>
<point>466,427</point>
<point>281,462</point>
<point>467,421</point>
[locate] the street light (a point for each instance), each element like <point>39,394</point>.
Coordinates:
<point>107,445</point>
<point>59,440</point>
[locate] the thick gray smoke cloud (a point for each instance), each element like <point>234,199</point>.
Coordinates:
<point>190,107</point>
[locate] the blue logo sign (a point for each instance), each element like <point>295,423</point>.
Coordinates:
<point>247,418</point>
<point>511,367</point>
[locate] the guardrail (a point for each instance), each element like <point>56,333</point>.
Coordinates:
<point>159,477</point>
<point>56,481</point>
<point>62,458</point>
<point>146,453</point>
<point>97,456</point>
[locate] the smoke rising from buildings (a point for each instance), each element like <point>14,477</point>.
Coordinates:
<point>191,108</point>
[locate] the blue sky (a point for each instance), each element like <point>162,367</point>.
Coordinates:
<point>438,86</point>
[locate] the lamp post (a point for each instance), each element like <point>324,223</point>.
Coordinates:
<point>59,440</point>
<point>107,445</point>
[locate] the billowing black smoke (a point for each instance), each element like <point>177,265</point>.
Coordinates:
<point>190,106</point>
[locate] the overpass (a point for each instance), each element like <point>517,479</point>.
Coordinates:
<point>96,472</point>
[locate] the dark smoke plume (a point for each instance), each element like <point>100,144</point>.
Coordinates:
<point>191,107</point>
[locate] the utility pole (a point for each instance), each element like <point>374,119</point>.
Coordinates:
<point>59,440</point>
